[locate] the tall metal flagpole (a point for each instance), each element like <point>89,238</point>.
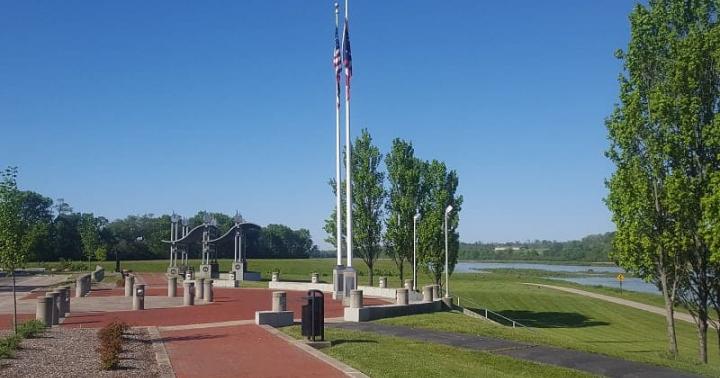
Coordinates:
<point>347,60</point>
<point>348,158</point>
<point>338,185</point>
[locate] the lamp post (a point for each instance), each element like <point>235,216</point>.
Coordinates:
<point>416,218</point>
<point>447,272</point>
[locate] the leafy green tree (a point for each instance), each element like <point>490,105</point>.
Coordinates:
<point>664,143</point>
<point>12,230</point>
<point>439,187</point>
<point>67,243</point>
<point>330,226</point>
<point>404,195</point>
<point>89,229</point>
<point>368,200</point>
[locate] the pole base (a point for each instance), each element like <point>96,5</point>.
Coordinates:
<point>338,280</point>
<point>349,281</point>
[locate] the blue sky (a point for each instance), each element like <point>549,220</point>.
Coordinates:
<point>140,107</point>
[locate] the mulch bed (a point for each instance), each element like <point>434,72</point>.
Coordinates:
<point>71,352</point>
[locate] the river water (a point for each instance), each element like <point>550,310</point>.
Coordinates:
<point>590,277</point>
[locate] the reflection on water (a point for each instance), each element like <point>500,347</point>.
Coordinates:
<point>632,284</point>
<point>470,267</point>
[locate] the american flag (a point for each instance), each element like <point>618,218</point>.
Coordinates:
<point>347,57</point>
<point>337,64</point>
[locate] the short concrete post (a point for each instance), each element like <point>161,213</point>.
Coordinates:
<point>279,301</point>
<point>208,290</point>
<point>79,287</point>
<point>409,284</point>
<point>436,292</point>
<point>275,276</point>
<point>60,305</point>
<point>54,316</point>
<point>188,297</point>
<point>401,296</point>
<point>66,289</point>
<point>427,293</point>
<point>172,286</point>
<point>85,284</point>
<point>139,297</point>
<point>199,283</point>
<point>383,282</point>
<point>42,309</point>
<point>129,283</point>
<point>356,298</point>
<point>314,278</point>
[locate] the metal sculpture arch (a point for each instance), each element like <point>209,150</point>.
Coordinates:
<point>209,267</point>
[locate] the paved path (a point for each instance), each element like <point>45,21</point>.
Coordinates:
<point>239,351</point>
<point>589,362</point>
<point>625,302</point>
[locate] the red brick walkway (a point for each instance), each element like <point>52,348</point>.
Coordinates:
<point>241,351</point>
<point>230,304</point>
<point>237,351</point>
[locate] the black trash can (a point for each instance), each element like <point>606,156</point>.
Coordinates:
<point>313,316</point>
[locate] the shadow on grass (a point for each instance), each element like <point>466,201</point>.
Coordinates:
<point>355,341</point>
<point>546,319</point>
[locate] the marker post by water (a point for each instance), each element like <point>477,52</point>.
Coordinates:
<point>620,277</point>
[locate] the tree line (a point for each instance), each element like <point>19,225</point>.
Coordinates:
<point>591,248</point>
<point>49,230</point>
<point>665,144</point>
<point>383,210</point>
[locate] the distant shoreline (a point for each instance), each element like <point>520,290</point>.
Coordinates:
<point>548,262</point>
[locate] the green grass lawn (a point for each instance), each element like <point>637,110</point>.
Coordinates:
<point>383,356</point>
<point>290,269</point>
<point>567,320</point>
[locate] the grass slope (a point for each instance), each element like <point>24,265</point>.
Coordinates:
<point>383,356</point>
<point>567,320</point>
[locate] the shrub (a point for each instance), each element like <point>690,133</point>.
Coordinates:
<point>120,282</point>
<point>8,345</point>
<point>111,340</point>
<point>30,329</point>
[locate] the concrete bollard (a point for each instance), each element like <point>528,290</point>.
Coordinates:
<point>435,292</point>
<point>188,297</point>
<point>383,282</point>
<point>54,316</point>
<point>60,305</point>
<point>172,286</point>
<point>139,297</point>
<point>409,284</point>
<point>79,287</point>
<point>401,296</point>
<point>129,283</point>
<point>84,287</point>
<point>42,309</point>
<point>427,293</point>
<point>67,299</point>
<point>199,288</point>
<point>356,298</point>
<point>279,301</point>
<point>275,276</point>
<point>208,290</point>
<point>314,278</point>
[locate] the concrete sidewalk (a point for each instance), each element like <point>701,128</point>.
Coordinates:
<point>588,362</point>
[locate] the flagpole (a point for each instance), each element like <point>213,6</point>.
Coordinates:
<point>348,165</point>
<point>338,185</point>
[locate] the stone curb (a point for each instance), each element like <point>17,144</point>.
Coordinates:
<point>346,369</point>
<point>184,327</point>
<point>161,356</point>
